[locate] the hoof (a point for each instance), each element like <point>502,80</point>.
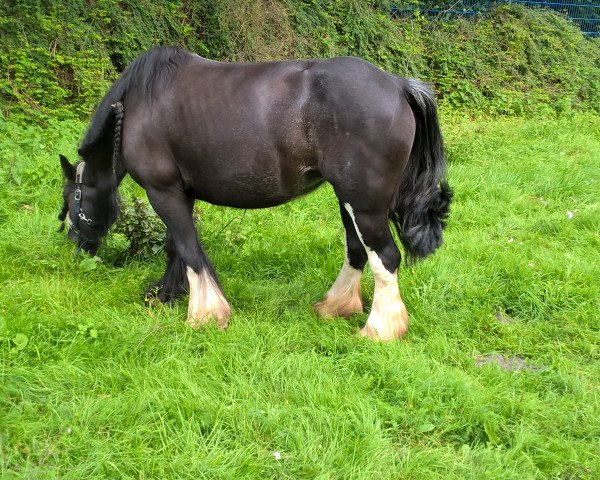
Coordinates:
<point>343,298</point>
<point>207,302</point>
<point>197,323</point>
<point>385,329</point>
<point>329,308</point>
<point>157,291</point>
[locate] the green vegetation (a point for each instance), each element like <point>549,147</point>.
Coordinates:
<point>59,57</point>
<point>95,384</point>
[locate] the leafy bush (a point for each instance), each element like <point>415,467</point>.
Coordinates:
<point>515,61</point>
<point>60,57</point>
<point>141,227</point>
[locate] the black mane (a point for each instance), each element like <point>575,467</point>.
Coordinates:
<point>157,66</point>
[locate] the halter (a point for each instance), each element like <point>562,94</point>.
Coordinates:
<point>79,215</point>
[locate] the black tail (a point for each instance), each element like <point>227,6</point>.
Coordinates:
<point>156,65</point>
<point>422,201</point>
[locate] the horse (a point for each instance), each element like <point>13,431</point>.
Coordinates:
<point>256,135</point>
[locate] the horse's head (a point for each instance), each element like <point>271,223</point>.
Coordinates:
<point>90,204</point>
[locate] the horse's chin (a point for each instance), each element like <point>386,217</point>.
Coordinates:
<point>91,248</point>
<point>88,246</point>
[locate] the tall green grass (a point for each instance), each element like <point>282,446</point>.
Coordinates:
<point>94,384</point>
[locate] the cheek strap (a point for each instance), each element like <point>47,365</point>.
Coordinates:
<point>78,187</point>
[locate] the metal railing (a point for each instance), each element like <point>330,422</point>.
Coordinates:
<point>586,14</point>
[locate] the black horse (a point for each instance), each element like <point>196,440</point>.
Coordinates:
<point>257,135</point>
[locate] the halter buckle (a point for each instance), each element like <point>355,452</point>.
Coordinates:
<point>85,219</point>
<point>78,194</point>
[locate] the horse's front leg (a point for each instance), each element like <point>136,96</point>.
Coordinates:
<point>173,284</point>
<point>207,300</point>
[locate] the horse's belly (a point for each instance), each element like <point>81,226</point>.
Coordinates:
<point>260,189</point>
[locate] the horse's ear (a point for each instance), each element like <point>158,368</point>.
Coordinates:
<point>68,169</point>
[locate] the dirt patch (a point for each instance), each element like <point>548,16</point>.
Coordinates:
<point>510,364</point>
<point>503,318</point>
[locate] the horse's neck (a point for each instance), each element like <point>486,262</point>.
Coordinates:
<point>110,171</point>
<point>118,173</point>
<point>111,179</point>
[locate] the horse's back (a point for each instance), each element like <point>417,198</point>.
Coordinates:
<point>263,132</point>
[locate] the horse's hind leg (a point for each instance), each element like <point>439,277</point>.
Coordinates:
<point>206,297</point>
<point>343,298</point>
<point>388,318</point>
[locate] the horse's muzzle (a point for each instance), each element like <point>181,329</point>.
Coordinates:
<point>89,246</point>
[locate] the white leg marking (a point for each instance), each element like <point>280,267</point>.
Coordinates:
<point>343,298</point>
<point>206,301</point>
<point>388,318</point>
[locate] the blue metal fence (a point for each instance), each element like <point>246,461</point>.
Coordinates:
<point>584,14</point>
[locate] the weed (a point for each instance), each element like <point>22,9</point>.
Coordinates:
<point>141,227</point>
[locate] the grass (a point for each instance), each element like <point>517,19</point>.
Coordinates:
<point>93,384</point>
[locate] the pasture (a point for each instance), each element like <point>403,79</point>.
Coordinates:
<point>497,378</point>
